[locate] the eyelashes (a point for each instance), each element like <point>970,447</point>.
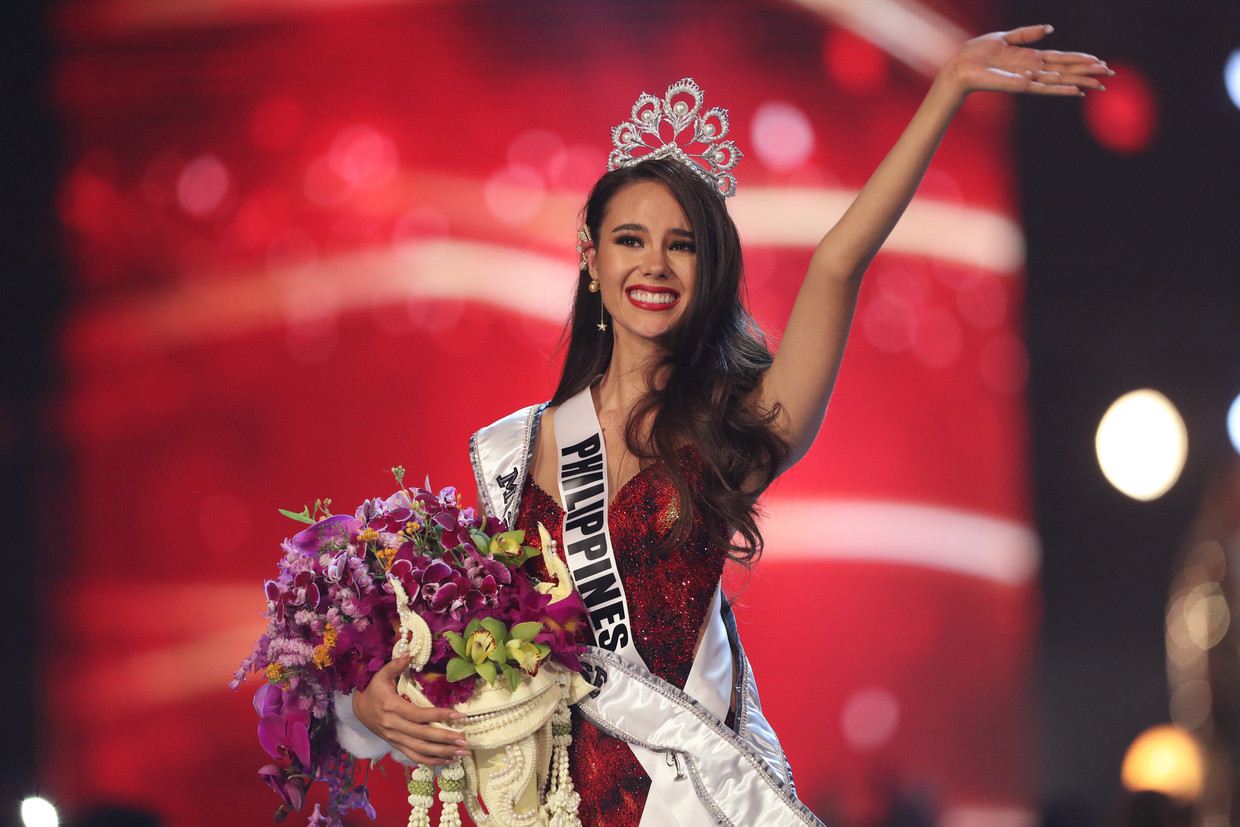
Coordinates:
<point>634,241</point>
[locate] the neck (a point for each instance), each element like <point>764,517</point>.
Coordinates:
<point>630,375</point>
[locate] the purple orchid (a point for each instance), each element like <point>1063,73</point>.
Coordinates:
<point>455,529</point>
<point>333,533</point>
<point>562,622</point>
<point>442,692</point>
<point>478,566</point>
<point>290,786</point>
<point>285,736</point>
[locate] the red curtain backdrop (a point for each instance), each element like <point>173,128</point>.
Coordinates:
<point>313,241</point>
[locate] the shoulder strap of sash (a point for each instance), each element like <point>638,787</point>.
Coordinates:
<point>500,454</point>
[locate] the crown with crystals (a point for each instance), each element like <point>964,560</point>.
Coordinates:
<point>641,138</point>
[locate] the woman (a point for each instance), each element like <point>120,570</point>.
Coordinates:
<point>670,418</point>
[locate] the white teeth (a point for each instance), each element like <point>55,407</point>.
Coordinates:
<point>647,297</point>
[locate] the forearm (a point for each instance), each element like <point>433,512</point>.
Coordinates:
<point>817,330</point>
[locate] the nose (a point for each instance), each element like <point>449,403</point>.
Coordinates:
<point>655,264</point>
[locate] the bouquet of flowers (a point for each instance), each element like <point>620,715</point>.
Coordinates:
<point>417,574</point>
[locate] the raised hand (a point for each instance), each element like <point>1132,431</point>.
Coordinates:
<point>1002,62</point>
<point>405,725</point>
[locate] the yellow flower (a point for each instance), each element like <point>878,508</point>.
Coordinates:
<point>385,556</point>
<point>322,653</point>
<point>275,673</point>
<point>479,646</point>
<point>368,535</point>
<point>507,544</point>
<point>525,654</point>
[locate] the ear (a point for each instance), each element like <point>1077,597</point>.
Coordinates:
<point>590,251</point>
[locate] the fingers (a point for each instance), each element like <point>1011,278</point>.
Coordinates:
<point>1053,56</point>
<point>393,669</point>
<point>422,746</point>
<point>1067,80</point>
<point>1027,34</point>
<point>410,728</point>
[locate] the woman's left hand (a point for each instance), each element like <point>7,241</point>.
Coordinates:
<point>1001,62</point>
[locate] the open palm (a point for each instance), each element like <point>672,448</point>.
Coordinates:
<point>1003,62</point>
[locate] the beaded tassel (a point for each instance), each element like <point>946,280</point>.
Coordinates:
<point>451,793</point>
<point>562,799</point>
<point>421,796</point>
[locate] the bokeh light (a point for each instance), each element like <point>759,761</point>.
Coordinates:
<point>1124,118</point>
<point>1142,444</point>
<point>870,717</point>
<point>1164,759</point>
<point>39,812</point>
<point>1231,77</point>
<point>514,195</point>
<point>782,136</point>
<point>1233,423</point>
<point>203,185</point>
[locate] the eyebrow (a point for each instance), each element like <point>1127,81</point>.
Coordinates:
<point>641,228</point>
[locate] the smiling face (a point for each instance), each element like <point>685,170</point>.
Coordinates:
<point>645,260</point>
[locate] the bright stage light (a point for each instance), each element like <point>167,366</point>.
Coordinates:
<point>1142,444</point>
<point>38,812</point>
<point>1231,77</point>
<point>1164,759</point>
<point>1233,417</point>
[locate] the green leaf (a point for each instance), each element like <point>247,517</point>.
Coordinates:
<point>527,631</point>
<point>486,671</point>
<point>543,651</point>
<point>459,669</point>
<point>497,629</point>
<point>302,516</point>
<point>482,541</point>
<point>456,642</point>
<point>513,676</point>
<point>473,626</point>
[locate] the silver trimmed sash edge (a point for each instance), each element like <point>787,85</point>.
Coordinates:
<point>749,706</point>
<point>757,763</point>
<point>529,419</point>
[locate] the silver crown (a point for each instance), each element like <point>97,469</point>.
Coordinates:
<point>640,138</point>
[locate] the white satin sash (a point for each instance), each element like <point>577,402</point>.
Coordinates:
<point>699,769</point>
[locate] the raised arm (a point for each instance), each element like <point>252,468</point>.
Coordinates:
<point>808,361</point>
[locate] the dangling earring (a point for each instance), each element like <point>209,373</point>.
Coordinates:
<point>583,238</point>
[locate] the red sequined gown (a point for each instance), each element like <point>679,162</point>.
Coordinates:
<point>668,599</point>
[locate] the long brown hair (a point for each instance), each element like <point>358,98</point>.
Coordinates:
<point>713,361</point>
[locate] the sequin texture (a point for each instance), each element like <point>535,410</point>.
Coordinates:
<point>668,597</point>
